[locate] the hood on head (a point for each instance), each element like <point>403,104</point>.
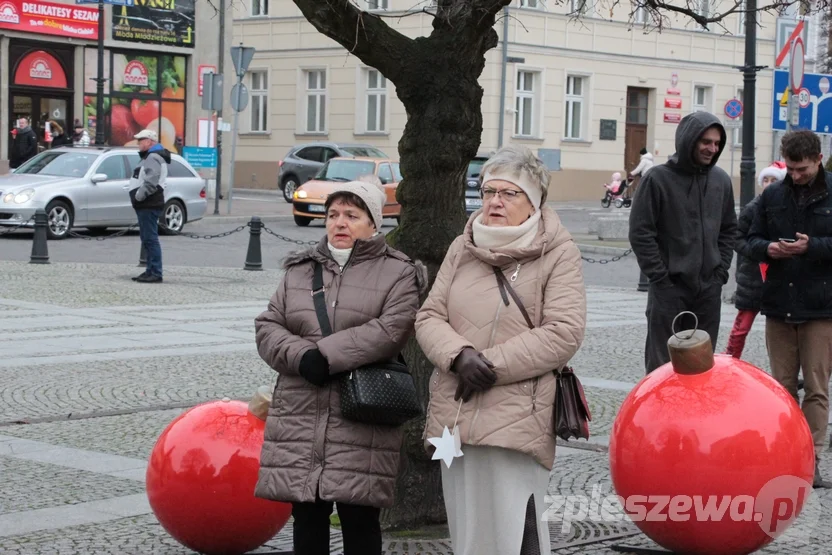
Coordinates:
<point>690,130</point>
<point>647,156</point>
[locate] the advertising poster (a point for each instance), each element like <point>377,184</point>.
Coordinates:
<point>162,22</point>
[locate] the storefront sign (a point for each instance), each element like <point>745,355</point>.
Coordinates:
<point>46,18</point>
<point>40,69</point>
<point>135,74</point>
<point>141,23</point>
<point>672,118</point>
<point>674,103</point>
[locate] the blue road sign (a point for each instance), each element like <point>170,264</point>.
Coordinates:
<point>128,3</point>
<point>733,108</point>
<point>200,157</point>
<point>817,116</point>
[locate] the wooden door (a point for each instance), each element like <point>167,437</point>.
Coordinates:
<point>635,133</point>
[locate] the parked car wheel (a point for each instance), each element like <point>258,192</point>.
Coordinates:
<point>290,184</point>
<point>59,219</point>
<point>302,221</point>
<point>173,217</point>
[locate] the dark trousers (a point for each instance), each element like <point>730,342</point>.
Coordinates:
<point>360,528</point>
<point>149,234</point>
<point>664,304</point>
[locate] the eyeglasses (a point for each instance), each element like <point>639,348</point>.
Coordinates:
<point>508,195</point>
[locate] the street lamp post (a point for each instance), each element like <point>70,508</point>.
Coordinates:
<point>99,81</point>
<point>750,69</point>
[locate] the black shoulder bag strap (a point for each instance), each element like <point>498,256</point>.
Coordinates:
<point>319,298</point>
<point>504,286</point>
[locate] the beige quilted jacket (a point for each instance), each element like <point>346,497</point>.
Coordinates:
<point>465,309</point>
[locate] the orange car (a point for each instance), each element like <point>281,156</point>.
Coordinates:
<point>309,199</point>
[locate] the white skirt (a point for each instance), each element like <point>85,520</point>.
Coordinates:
<point>486,493</point>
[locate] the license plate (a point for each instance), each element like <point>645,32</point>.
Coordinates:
<point>316,208</point>
<point>473,202</point>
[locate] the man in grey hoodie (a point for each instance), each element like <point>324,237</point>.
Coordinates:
<point>683,226</point>
<point>147,193</point>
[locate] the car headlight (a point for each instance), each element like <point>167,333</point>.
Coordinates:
<point>24,196</point>
<point>9,198</point>
<point>301,194</point>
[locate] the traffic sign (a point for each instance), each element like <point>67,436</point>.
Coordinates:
<point>241,56</point>
<point>803,98</point>
<point>788,29</point>
<point>733,108</point>
<point>817,116</point>
<point>797,65</point>
<point>200,157</point>
<point>784,100</point>
<point>212,88</point>
<point>239,97</point>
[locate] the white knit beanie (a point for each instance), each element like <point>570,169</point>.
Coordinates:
<point>777,173</point>
<point>371,194</point>
<point>524,181</point>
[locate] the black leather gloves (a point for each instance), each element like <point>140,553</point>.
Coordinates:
<point>475,373</point>
<point>314,367</point>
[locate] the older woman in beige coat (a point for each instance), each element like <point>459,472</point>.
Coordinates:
<point>313,456</point>
<point>494,375</point>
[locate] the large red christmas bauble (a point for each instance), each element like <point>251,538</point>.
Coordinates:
<point>726,436</point>
<point>201,478</point>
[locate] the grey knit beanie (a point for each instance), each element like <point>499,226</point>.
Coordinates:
<point>372,196</point>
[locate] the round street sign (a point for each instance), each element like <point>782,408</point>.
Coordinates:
<point>733,108</point>
<point>823,85</point>
<point>796,65</point>
<point>239,97</point>
<point>803,98</point>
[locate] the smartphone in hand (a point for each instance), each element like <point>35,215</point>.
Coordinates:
<point>785,240</point>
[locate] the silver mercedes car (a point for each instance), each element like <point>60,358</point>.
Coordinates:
<point>88,187</point>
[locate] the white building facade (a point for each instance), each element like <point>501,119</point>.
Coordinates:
<point>586,94</point>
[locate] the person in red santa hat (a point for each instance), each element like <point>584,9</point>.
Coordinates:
<point>750,274</point>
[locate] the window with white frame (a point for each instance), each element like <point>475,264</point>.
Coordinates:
<point>702,95</point>
<point>315,82</point>
<point>529,4</point>
<point>737,131</point>
<point>377,4</point>
<point>259,7</point>
<point>575,104</point>
<point>741,20</point>
<point>376,105</point>
<point>259,85</point>
<point>577,7</point>
<point>526,91</point>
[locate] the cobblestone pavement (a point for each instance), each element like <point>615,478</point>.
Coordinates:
<point>93,369</point>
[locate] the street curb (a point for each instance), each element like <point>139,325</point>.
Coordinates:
<point>595,249</point>
<point>239,219</point>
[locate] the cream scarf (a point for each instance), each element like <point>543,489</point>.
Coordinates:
<point>342,256</point>
<point>509,237</point>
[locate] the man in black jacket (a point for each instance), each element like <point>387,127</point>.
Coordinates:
<point>792,231</point>
<point>683,226</point>
<point>25,144</point>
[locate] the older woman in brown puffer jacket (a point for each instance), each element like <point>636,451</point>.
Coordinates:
<point>494,375</point>
<point>312,456</point>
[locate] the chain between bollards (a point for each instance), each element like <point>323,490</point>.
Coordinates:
<point>40,250</point>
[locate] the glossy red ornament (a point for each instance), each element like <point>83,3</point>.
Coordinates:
<point>683,439</point>
<point>201,478</point>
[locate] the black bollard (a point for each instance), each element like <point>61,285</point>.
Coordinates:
<point>143,257</point>
<point>254,259</point>
<point>643,282</point>
<point>40,252</point>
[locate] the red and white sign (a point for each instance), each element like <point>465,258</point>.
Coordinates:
<point>47,18</point>
<point>672,118</point>
<point>135,74</point>
<point>797,64</point>
<point>202,71</point>
<point>675,92</point>
<point>804,98</point>
<point>673,103</point>
<point>39,69</point>
<point>823,85</point>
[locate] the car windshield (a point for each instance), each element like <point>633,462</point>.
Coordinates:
<point>345,170</point>
<point>59,163</point>
<point>475,168</point>
<point>364,151</point>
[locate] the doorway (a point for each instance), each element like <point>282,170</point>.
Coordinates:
<point>635,133</point>
<point>40,109</point>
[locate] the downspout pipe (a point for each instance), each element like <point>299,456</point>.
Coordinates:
<point>502,123</point>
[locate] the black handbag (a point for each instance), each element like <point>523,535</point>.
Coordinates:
<point>572,414</point>
<point>382,393</point>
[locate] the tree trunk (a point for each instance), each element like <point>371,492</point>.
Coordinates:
<point>443,101</point>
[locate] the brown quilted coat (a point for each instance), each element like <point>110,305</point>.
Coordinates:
<point>309,448</point>
<point>465,309</point>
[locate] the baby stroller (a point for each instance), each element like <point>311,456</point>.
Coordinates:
<point>616,191</point>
